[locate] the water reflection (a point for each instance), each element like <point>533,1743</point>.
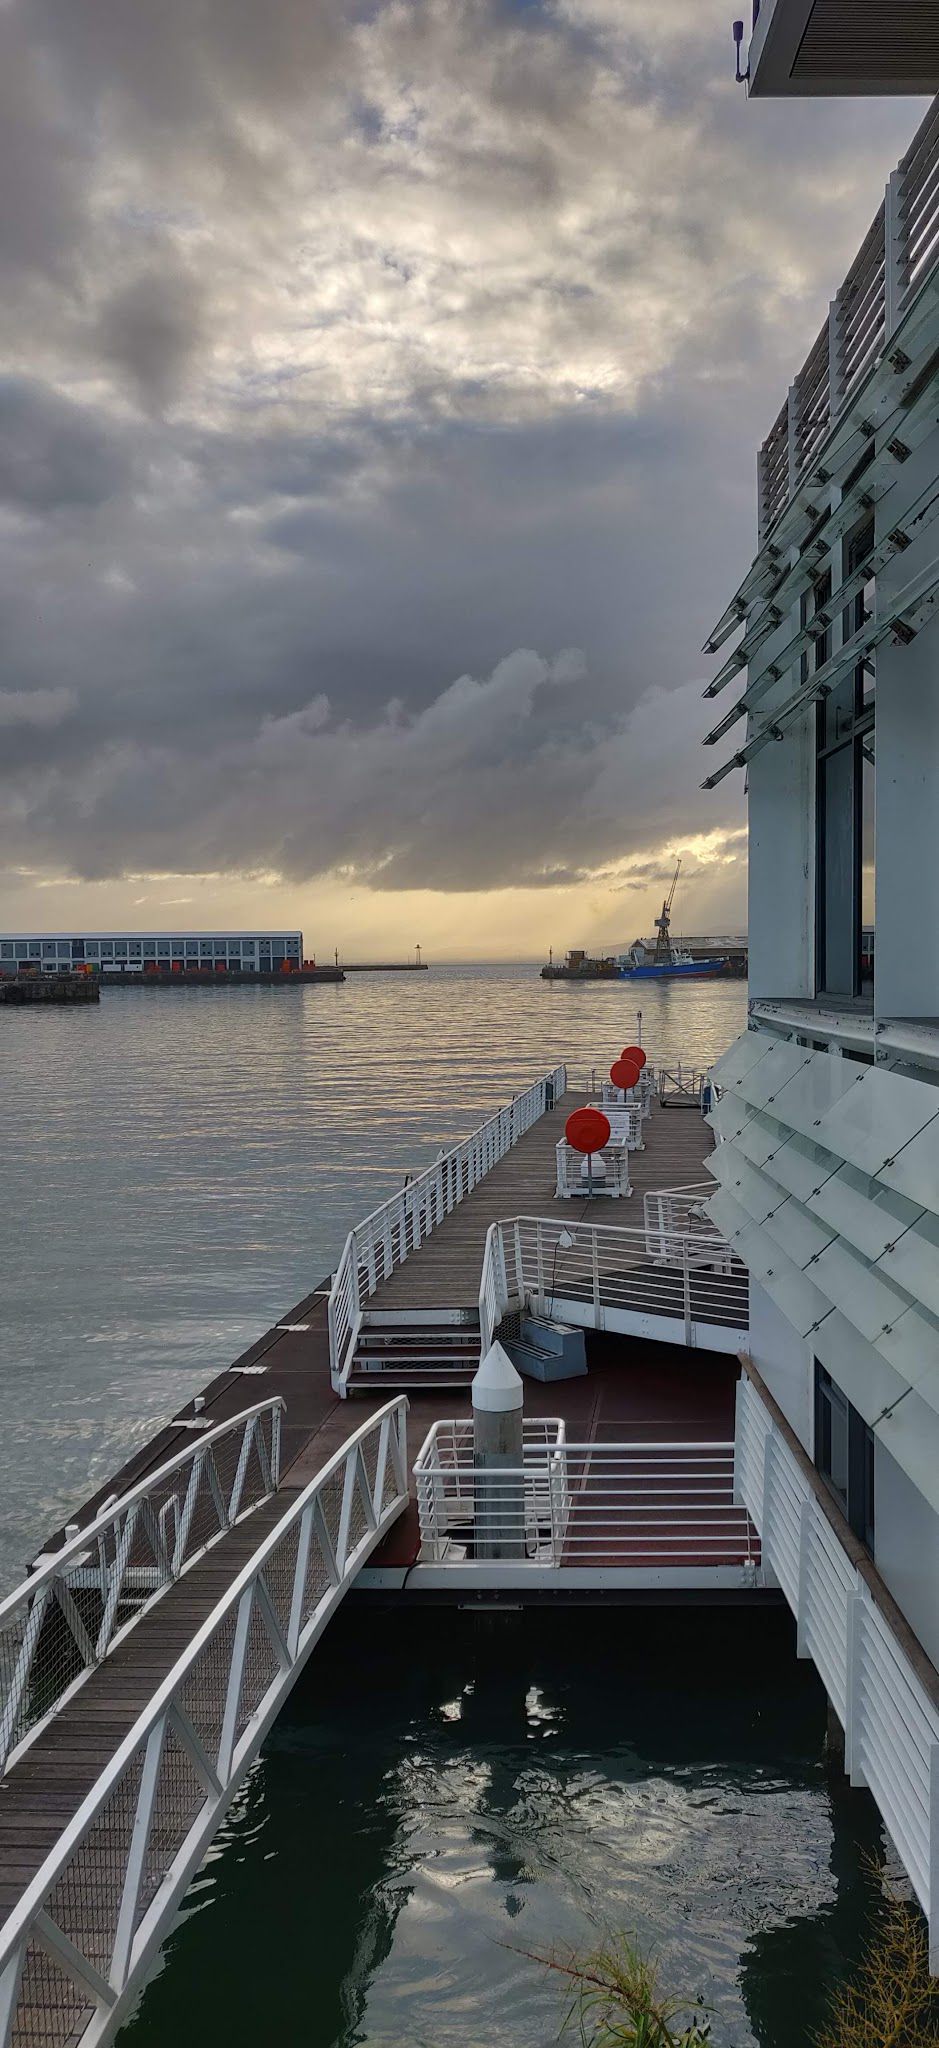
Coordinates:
<point>444,1793</point>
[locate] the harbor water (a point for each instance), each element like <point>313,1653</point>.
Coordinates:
<point>444,1797</point>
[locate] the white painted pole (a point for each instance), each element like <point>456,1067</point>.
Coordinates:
<point>497,1396</point>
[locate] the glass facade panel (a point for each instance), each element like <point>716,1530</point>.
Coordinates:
<point>868,891</point>
<point>845,796</point>
<point>844,1455</point>
<point>838,891</point>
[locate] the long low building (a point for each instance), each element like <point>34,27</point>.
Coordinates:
<point>140,952</point>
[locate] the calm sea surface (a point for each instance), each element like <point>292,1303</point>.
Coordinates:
<point>441,1793</point>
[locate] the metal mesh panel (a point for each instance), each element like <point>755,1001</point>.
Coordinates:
<point>179,1798</point>
<point>317,1581</point>
<point>254,1487</point>
<point>279,1574</point>
<point>390,1483</point>
<point>358,1521</point>
<point>86,1900</point>
<point>51,2010</point>
<point>206,1520</point>
<point>330,1500</point>
<point>56,1659</point>
<point>369,1453</point>
<point>204,1693</point>
<point>261,1667</point>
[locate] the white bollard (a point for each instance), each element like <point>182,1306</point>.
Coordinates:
<point>497,1396</point>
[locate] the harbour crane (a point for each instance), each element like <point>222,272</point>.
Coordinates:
<point>663,943</point>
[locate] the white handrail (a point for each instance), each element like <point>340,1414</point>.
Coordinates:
<point>614,1276</point>
<point>80,1601</point>
<point>606,1173</point>
<point>399,1226</point>
<point>74,1951</point>
<point>589,1504</point>
<point>891,1726</point>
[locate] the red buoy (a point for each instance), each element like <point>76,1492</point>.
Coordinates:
<point>624,1073</point>
<point>587,1130</point>
<point>634,1052</point>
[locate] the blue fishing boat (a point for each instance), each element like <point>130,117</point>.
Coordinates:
<point>665,962</point>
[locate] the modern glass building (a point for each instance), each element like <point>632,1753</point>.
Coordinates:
<point>153,952</point>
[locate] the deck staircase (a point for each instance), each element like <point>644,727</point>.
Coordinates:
<point>408,1351</point>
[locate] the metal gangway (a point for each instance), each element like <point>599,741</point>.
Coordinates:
<point>76,1947</point>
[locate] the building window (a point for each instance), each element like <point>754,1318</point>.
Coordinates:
<point>845,797</point>
<point>844,1455</point>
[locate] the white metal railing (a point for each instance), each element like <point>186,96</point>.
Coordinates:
<point>681,1084</point>
<point>891,1726</point>
<point>896,255</point>
<point>605,1172</point>
<point>443,1477</point>
<point>74,1951</point>
<point>399,1227</point>
<point>597,1088</point>
<point>593,1505</point>
<point>669,1214</point>
<point>605,1276</point>
<point>65,1618</point>
<point>626,1119</point>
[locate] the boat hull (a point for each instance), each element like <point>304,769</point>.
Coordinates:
<point>682,970</point>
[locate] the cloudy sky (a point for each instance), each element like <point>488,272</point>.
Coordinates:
<point>377,429</point>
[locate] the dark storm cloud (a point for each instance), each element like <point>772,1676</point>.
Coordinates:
<point>357,352</point>
<point>54,453</point>
<point>152,328</point>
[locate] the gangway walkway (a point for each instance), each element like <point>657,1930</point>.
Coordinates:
<point>113,1806</point>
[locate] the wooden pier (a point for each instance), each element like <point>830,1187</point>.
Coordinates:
<point>642,1392</point>
<point>630,1383</point>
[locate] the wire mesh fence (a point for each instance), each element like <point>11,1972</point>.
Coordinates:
<point>70,1612</point>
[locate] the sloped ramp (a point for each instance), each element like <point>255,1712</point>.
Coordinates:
<point>77,1944</point>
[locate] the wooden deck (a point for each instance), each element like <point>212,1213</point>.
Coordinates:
<point>632,1388</point>
<point>445,1273</point>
